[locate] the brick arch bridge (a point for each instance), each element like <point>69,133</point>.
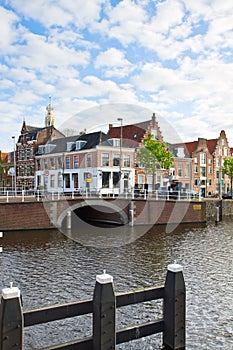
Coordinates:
<point>46,214</point>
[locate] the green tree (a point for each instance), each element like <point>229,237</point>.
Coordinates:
<point>227,169</point>
<point>155,155</point>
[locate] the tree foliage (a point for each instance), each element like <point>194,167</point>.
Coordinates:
<point>155,156</point>
<point>227,168</point>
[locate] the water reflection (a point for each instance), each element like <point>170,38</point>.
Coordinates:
<point>49,268</point>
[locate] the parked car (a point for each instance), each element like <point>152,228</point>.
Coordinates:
<point>227,195</point>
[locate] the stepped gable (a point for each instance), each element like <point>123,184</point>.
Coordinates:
<point>133,135</point>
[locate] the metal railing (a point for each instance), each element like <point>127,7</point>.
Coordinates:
<point>10,195</point>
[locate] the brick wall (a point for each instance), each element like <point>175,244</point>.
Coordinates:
<point>33,215</point>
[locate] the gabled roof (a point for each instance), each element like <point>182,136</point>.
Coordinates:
<point>191,147</point>
<point>92,140</point>
<point>212,145</point>
<point>131,134</point>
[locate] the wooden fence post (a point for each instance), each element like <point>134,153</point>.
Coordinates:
<point>11,319</point>
<point>174,308</point>
<point>104,313</point>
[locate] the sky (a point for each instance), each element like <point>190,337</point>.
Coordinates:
<point>99,60</point>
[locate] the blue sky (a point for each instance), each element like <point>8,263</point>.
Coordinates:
<point>172,57</point>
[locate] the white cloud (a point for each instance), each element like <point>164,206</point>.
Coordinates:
<point>8,35</point>
<point>114,63</point>
<point>173,56</point>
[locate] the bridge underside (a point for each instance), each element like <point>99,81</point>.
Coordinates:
<point>100,214</point>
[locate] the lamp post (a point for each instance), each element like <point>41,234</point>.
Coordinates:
<point>120,120</point>
<point>13,138</point>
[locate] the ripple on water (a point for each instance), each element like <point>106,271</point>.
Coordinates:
<point>49,268</point>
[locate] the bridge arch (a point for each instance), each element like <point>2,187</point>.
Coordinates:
<point>97,210</point>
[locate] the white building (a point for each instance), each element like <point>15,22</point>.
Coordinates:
<point>86,162</point>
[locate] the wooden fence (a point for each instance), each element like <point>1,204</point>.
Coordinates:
<point>13,319</point>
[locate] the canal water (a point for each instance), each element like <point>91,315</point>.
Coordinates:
<point>51,268</point>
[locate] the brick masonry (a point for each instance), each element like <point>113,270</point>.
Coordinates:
<point>44,215</point>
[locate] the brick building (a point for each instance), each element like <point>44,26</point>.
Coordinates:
<point>27,146</point>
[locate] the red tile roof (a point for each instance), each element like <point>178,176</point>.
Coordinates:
<point>131,134</point>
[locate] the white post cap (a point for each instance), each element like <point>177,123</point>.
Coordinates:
<point>11,293</point>
<point>175,267</point>
<point>104,278</point>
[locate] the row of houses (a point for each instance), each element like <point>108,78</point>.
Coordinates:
<point>107,162</point>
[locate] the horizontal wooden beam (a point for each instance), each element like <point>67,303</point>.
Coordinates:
<point>139,296</point>
<point>57,312</point>
<point>139,331</point>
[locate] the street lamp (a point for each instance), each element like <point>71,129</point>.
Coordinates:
<point>13,138</point>
<point>120,120</point>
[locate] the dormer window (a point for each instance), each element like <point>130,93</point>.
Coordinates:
<point>49,148</point>
<point>69,146</point>
<point>41,149</point>
<point>80,144</point>
<point>115,142</point>
<point>180,152</point>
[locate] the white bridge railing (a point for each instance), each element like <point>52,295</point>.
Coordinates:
<point>38,195</point>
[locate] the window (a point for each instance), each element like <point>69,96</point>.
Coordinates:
<point>180,152</point>
<point>20,154</point>
<point>116,142</point>
<point>202,158</point>
<point>105,159</point>
<point>31,153</point>
<point>187,170</point>
<point>41,149</point>
<point>38,164</point>
<point>127,160</point>
<point>60,162</point>
<point>80,144</point>
<point>46,163</point>
<point>88,160</point>
<point>67,180</point>
<point>116,159</point>
<point>67,162</point>
<point>105,179</point>
<point>116,179</point>
<point>52,180</point>
<point>69,146</point>
<point>76,162</point>
<point>195,160</point>
<point>60,180</point>
<point>141,180</point>
<point>196,182</point>
<point>180,170</point>
<point>75,180</point>
<point>154,134</point>
<point>52,163</point>
<point>49,148</point>
<point>210,182</point>
<point>210,169</point>
<point>203,171</point>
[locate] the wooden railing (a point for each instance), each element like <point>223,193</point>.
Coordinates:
<point>13,319</point>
